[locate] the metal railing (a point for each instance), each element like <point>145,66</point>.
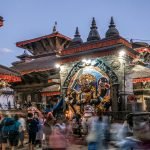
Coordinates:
<point>118,115</point>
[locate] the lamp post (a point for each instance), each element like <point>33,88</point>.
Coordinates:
<point>122,55</point>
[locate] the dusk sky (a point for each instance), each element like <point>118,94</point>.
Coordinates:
<point>26,19</point>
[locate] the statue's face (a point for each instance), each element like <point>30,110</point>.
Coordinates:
<point>86,88</point>
<point>85,85</point>
<point>85,82</point>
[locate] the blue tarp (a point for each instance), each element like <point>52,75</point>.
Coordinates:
<point>55,107</point>
<point>58,105</point>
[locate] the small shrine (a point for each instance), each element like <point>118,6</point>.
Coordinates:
<point>7,77</point>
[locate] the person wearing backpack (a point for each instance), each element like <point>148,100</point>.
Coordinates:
<point>10,132</point>
<point>14,130</point>
<point>32,128</point>
<point>1,125</point>
<point>4,133</point>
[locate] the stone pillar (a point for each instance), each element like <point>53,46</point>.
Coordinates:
<point>114,96</point>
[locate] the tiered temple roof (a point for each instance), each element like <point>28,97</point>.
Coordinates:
<point>52,43</point>
<point>57,48</point>
<point>8,74</point>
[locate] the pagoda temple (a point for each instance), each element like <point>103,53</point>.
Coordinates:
<point>91,72</point>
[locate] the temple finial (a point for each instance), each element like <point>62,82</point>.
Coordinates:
<point>112,21</point>
<point>54,28</point>
<point>112,31</point>
<point>77,34</point>
<point>93,25</point>
<point>77,39</point>
<point>93,35</point>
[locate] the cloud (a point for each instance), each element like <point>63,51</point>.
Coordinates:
<point>5,50</point>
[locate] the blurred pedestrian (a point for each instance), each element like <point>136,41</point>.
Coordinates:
<point>22,130</point>
<point>4,131</point>
<point>1,125</point>
<point>32,128</point>
<point>11,131</point>
<point>106,131</point>
<point>14,133</point>
<point>47,130</point>
<point>125,141</point>
<point>57,139</point>
<point>92,132</point>
<point>122,133</point>
<point>39,134</point>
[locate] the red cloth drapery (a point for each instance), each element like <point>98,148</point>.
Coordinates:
<point>10,78</point>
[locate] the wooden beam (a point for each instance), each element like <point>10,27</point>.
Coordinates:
<point>43,75</point>
<point>55,76</point>
<point>58,45</point>
<point>48,47</point>
<point>63,43</point>
<point>34,85</point>
<point>44,46</point>
<point>30,48</point>
<point>51,43</point>
<point>27,79</point>
<point>40,47</point>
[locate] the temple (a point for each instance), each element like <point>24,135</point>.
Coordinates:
<point>101,71</point>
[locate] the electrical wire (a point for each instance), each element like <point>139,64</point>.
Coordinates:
<point>137,39</point>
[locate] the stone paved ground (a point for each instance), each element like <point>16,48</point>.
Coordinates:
<point>75,144</point>
<point>71,147</point>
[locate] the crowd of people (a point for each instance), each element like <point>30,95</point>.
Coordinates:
<point>45,132</point>
<point>50,133</point>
